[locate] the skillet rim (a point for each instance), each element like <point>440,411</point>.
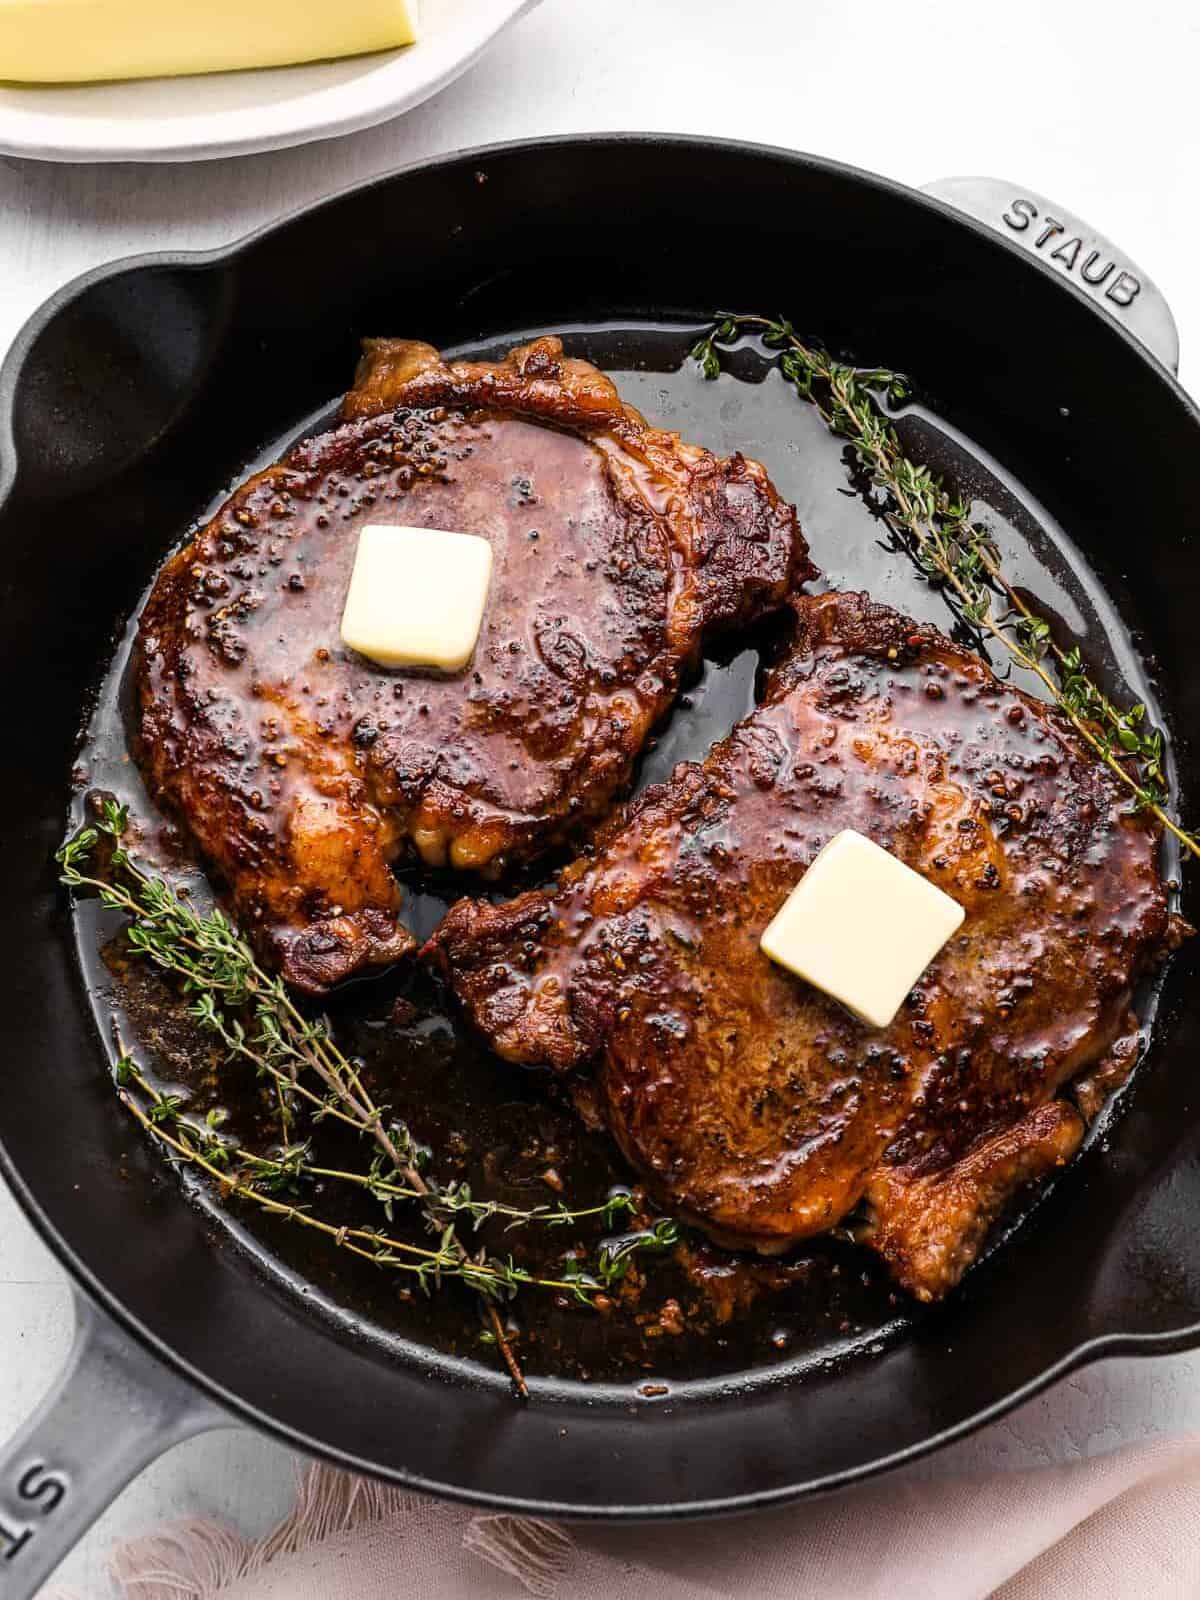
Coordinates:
<point>22,344</point>
<point>1100,1347</point>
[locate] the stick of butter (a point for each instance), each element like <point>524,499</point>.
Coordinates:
<point>862,926</point>
<point>82,41</point>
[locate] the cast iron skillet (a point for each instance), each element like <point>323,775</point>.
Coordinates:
<point>131,396</point>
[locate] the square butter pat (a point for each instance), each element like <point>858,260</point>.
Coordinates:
<point>861,926</point>
<point>417,596</point>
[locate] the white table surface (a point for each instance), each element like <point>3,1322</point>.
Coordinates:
<point>1090,101</point>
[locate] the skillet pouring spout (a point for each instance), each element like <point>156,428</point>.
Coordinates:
<point>1073,248</point>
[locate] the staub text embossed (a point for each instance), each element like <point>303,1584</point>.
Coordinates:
<point>13,1540</point>
<point>1051,237</point>
<point>43,1491</point>
<point>1074,250</point>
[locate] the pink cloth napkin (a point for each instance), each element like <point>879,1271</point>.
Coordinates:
<point>1124,1526</point>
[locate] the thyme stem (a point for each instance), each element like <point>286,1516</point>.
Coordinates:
<point>482,1275</point>
<point>506,1352</point>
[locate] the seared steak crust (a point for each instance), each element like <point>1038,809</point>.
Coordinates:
<point>754,1104</point>
<point>303,770</point>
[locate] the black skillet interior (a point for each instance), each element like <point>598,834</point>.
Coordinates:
<point>147,390</point>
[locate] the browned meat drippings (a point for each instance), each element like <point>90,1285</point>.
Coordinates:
<point>303,771</point>
<point>754,1104</point>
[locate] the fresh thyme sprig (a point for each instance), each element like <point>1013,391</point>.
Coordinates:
<point>218,970</point>
<point>936,529</point>
<point>261,1179</point>
<point>216,965</point>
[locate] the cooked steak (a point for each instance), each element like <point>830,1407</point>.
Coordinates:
<point>303,770</point>
<point>756,1105</point>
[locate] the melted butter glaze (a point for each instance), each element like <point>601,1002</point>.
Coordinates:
<point>755,1103</point>
<point>303,770</point>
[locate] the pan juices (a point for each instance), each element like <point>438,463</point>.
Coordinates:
<point>88,41</point>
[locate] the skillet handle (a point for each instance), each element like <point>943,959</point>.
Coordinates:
<point>1071,246</point>
<point>114,1409</point>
